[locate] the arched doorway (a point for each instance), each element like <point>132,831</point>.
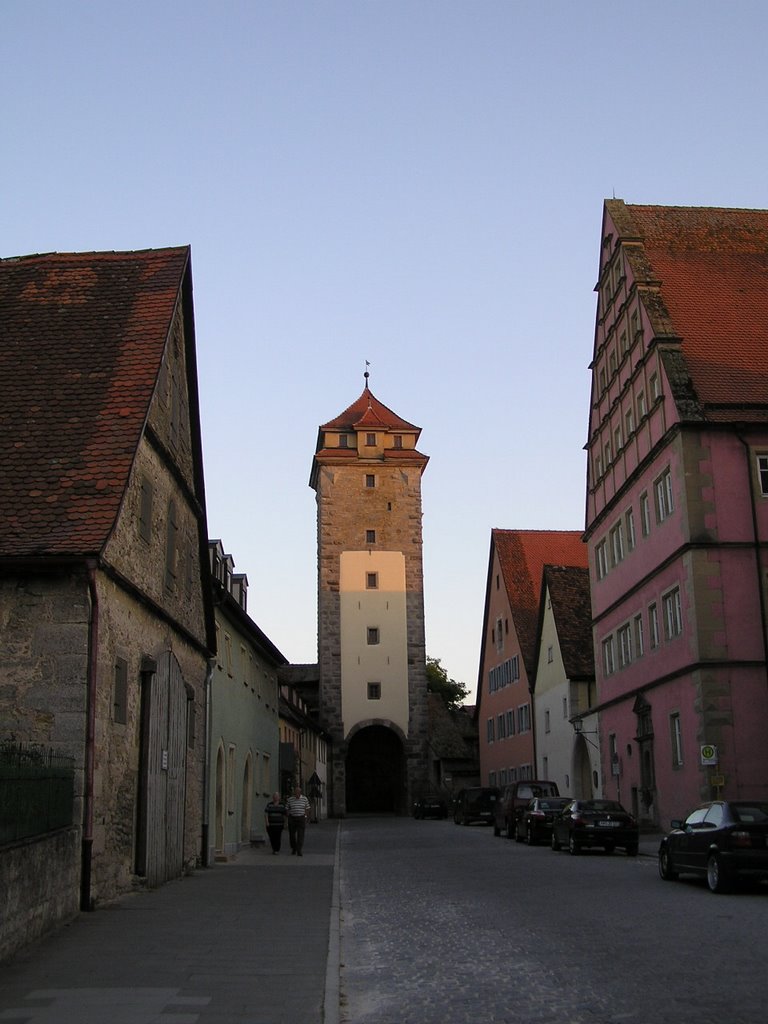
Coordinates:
<point>582,770</point>
<point>246,801</point>
<point>375,775</point>
<point>219,806</point>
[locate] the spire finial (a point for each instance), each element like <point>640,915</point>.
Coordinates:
<point>366,374</point>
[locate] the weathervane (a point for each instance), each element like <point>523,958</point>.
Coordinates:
<point>366,374</point>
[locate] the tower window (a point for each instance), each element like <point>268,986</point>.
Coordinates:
<point>370,536</point>
<point>374,691</point>
<point>370,480</point>
<point>371,581</point>
<point>373,634</point>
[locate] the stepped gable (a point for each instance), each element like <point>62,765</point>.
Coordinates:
<point>522,556</point>
<point>710,267</point>
<point>83,336</point>
<point>572,611</point>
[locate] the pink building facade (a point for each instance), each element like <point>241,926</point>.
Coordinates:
<point>677,506</point>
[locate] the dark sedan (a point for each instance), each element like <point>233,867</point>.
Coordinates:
<point>590,823</point>
<point>430,807</point>
<point>722,841</point>
<point>535,823</point>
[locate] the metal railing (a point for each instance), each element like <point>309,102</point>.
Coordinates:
<point>37,791</point>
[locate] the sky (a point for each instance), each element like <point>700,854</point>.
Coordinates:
<point>414,184</point>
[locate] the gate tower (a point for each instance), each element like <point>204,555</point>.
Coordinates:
<point>366,474</point>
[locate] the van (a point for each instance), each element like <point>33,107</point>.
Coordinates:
<point>475,804</point>
<point>514,799</point>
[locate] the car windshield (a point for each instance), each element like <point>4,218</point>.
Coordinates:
<point>750,812</point>
<point>552,805</point>
<point>603,805</point>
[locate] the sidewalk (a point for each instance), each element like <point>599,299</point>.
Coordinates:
<point>253,941</point>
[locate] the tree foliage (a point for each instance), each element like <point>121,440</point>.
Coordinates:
<point>438,681</point>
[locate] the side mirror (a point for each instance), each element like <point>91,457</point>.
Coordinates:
<point>676,823</point>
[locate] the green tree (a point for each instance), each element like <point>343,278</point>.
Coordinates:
<point>439,682</point>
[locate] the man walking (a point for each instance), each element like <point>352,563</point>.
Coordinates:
<point>298,812</point>
<point>275,814</point>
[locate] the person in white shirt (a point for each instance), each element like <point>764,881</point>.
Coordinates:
<point>298,813</point>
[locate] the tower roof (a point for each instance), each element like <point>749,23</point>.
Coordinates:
<point>368,411</point>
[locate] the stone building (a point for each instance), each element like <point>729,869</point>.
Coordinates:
<point>106,617</point>
<point>371,649</point>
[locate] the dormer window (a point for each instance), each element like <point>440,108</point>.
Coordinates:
<point>398,441</point>
<point>370,440</point>
<point>343,441</point>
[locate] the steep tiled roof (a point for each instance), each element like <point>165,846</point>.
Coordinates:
<point>712,267</point>
<point>522,556</point>
<point>368,411</point>
<point>82,338</point>
<point>572,611</point>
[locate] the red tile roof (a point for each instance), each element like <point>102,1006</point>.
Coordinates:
<point>522,556</point>
<point>712,265</point>
<point>82,339</point>
<point>368,411</point>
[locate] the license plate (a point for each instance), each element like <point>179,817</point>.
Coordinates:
<point>609,824</point>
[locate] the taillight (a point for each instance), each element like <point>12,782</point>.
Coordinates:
<point>577,821</point>
<point>538,814</point>
<point>741,839</point>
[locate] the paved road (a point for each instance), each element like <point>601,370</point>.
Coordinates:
<point>449,925</point>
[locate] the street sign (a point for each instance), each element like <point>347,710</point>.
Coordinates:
<point>708,754</point>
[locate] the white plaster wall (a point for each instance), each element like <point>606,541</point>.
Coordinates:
<point>385,662</point>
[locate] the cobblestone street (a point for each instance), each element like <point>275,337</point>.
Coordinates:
<point>449,925</point>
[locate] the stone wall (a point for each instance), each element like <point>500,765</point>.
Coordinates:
<point>40,882</point>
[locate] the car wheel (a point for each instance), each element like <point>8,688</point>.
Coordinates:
<point>666,870</point>
<point>530,838</point>
<point>717,877</point>
<point>496,830</point>
<point>573,846</point>
<point>609,847</point>
<point>554,842</point>
<point>632,850</point>
<point>518,833</point>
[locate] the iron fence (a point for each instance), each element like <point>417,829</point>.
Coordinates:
<point>37,791</point>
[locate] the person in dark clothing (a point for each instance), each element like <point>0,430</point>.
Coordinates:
<point>275,814</point>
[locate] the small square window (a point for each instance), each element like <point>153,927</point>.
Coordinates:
<point>370,536</point>
<point>371,581</point>
<point>373,634</point>
<point>374,691</point>
<point>370,480</point>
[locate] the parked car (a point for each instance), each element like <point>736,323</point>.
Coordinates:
<point>431,806</point>
<point>602,823</point>
<point>515,798</point>
<point>475,804</point>
<point>722,841</point>
<point>535,823</point>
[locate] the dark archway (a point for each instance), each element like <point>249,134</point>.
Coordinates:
<point>375,772</point>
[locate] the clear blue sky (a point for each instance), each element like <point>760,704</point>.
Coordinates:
<point>418,184</point>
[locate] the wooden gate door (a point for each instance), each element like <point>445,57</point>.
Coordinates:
<point>163,773</point>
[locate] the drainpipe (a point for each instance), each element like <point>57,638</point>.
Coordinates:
<point>86,902</point>
<point>756,535</point>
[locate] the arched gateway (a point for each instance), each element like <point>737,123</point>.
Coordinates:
<point>371,651</point>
